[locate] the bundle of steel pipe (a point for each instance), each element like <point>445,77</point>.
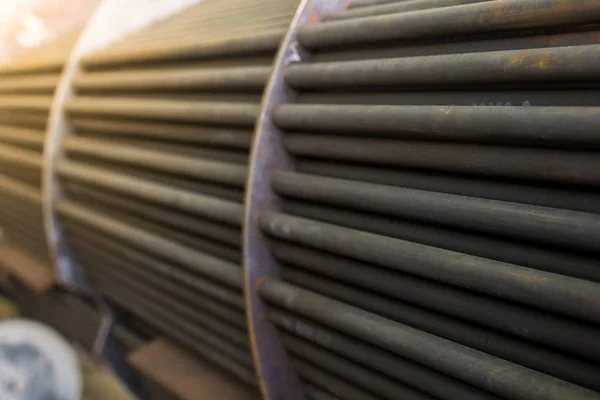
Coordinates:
<point>432,200</point>
<point>411,189</point>
<point>27,85</point>
<point>154,172</point>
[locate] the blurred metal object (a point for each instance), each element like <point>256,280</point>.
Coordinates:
<point>278,378</point>
<point>29,24</point>
<point>35,363</point>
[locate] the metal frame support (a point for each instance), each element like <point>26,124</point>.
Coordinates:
<point>277,378</point>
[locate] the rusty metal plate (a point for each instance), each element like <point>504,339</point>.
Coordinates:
<point>277,378</point>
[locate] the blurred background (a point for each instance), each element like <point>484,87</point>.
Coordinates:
<point>25,24</point>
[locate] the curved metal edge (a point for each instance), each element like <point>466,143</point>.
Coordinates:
<point>276,375</point>
<point>68,272</point>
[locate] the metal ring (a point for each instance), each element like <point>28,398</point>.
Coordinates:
<point>277,377</point>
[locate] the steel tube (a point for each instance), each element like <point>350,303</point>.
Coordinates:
<point>525,254</point>
<point>234,30</point>
<point>214,137</point>
<point>16,218</point>
<point>235,114</point>
<point>15,207</point>
<point>482,336</point>
<point>369,3</point>
<point>557,37</point>
<point>29,84</point>
<point>361,377</point>
<point>210,11</point>
<point>23,158</point>
<point>224,356</point>
<point>199,187</point>
<point>31,139</point>
<point>233,335</point>
<point>559,64</point>
<point>567,167</point>
<point>203,264</point>
<point>234,156</point>
<point>483,97</point>
<point>26,102</point>
<point>47,66</point>
<point>207,206</point>
<point>314,393</point>
<point>266,18</point>
<point>569,198</point>
<point>546,225</point>
<point>34,120</point>
<point>429,381</point>
<point>548,291</point>
<point>482,370</point>
<point>16,188</point>
<point>243,78</point>
<point>249,44</point>
<point>533,125</point>
<point>29,176</point>
<point>154,286</point>
<point>174,324</point>
<point>404,6</point>
<point>173,220</point>
<point>213,171</point>
<point>167,272</point>
<point>224,26</point>
<point>451,21</point>
<point>321,378</point>
<point>193,242</point>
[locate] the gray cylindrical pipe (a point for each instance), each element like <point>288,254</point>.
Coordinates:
<point>482,370</point>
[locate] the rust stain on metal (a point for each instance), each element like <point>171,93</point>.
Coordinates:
<point>314,17</point>
<point>259,282</point>
<point>543,61</point>
<point>518,59</point>
<point>498,10</point>
<point>526,276</point>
